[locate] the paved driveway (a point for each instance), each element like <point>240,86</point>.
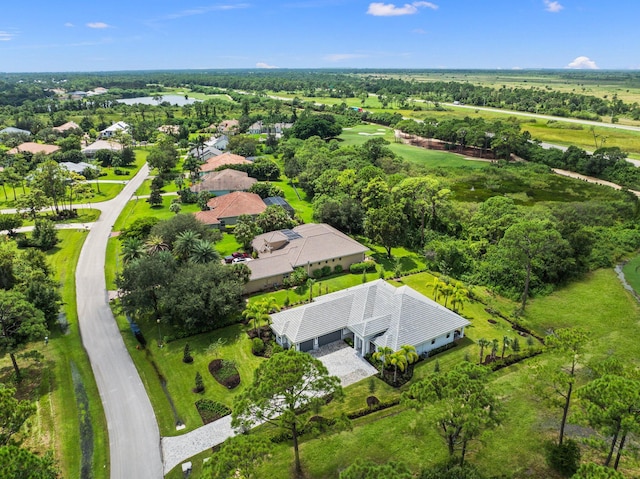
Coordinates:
<point>341,360</point>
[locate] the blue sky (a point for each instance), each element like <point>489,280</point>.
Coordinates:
<point>72,35</point>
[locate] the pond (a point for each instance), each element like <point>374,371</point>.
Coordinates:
<point>179,100</point>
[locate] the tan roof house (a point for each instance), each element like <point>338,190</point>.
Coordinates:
<point>225,210</point>
<point>311,246</point>
<point>33,148</point>
<point>70,125</point>
<point>91,149</point>
<point>228,126</point>
<point>224,182</point>
<point>216,162</point>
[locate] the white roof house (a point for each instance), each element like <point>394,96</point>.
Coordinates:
<point>111,131</point>
<point>375,315</point>
<point>79,167</point>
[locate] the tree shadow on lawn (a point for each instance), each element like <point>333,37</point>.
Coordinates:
<point>406,262</point>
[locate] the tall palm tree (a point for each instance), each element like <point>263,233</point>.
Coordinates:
<point>185,243</point>
<point>383,355</point>
<point>483,343</point>
<point>155,244</point>
<point>494,348</point>
<point>256,312</point>
<point>204,252</point>
<point>269,305</point>
<point>399,361</point>
<point>409,352</point>
<point>506,341</point>
<point>460,295</point>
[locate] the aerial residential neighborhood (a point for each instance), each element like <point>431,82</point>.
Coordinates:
<point>327,240</point>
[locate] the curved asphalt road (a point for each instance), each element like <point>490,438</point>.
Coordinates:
<point>134,438</point>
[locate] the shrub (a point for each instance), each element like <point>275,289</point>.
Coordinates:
<point>257,346</point>
<point>338,269</point>
<point>186,355</point>
<point>211,410</point>
<point>564,458</point>
<point>365,266</point>
<point>199,383</point>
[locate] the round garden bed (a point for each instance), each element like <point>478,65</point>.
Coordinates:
<point>225,373</point>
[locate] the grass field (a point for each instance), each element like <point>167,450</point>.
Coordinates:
<point>140,208</point>
<point>632,273</point>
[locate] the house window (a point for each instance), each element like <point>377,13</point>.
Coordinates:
<point>433,341</point>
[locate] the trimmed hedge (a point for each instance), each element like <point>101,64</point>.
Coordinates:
<point>359,268</point>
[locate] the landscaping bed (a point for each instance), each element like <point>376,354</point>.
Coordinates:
<point>211,410</point>
<point>225,372</point>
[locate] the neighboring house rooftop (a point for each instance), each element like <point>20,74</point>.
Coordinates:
<point>76,167</point>
<point>224,180</point>
<point>309,243</point>
<point>280,201</point>
<point>396,316</point>
<point>205,153</point>
<point>228,125</point>
<point>101,145</point>
<point>216,162</point>
<point>118,126</point>
<point>70,125</point>
<point>33,148</point>
<point>231,206</point>
<point>10,130</point>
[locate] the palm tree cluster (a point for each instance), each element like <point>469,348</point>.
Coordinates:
<point>188,246</point>
<point>444,288</point>
<point>260,311</point>
<point>398,360</point>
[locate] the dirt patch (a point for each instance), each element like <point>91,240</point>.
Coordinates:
<point>492,321</point>
<point>225,372</point>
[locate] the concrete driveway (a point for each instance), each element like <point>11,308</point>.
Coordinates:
<point>341,360</point>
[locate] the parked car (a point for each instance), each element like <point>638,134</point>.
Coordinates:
<point>241,260</point>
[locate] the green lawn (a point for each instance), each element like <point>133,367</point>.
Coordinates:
<point>228,244</point>
<point>359,134</point>
<point>140,208</point>
<point>141,158</point>
<point>230,343</point>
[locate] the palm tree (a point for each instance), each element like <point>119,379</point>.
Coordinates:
<point>132,249</point>
<point>409,352</point>
<point>397,360</point>
<point>506,341</point>
<point>269,305</point>
<point>204,252</point>
<point>382,354</point>
<point>459,297</point>
<point>256,312</point>
<point>185,243</point>
<point>494,348</point>
<point>155,244</point>
<point>483,343</point>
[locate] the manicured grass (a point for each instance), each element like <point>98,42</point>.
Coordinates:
<point>56,422</point>
<point>112,262</point>
<point>140,208</point>
<point>227,245</point>
<point>298,201</point>
<point>145,188</point>
<point>359,134</point>
<point>230,343</point>
<point>141,158</point>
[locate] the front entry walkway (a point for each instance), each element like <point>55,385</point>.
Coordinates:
<point>341,360</point>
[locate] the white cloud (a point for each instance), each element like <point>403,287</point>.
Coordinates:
<point>98,25</point>
<point>69,25</point>
<point>419,31</point>
<point>584,63</point>
<point>552,6</point>
<point>6,36</point>
<point>379,9</point>
<point>265,65</point>
<point>202,10</point>
<point>339,57</point>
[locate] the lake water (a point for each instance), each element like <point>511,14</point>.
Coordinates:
<point>148,100</point>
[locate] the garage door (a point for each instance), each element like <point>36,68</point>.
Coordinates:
<point>330,338</point>
<point>307,345</point>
